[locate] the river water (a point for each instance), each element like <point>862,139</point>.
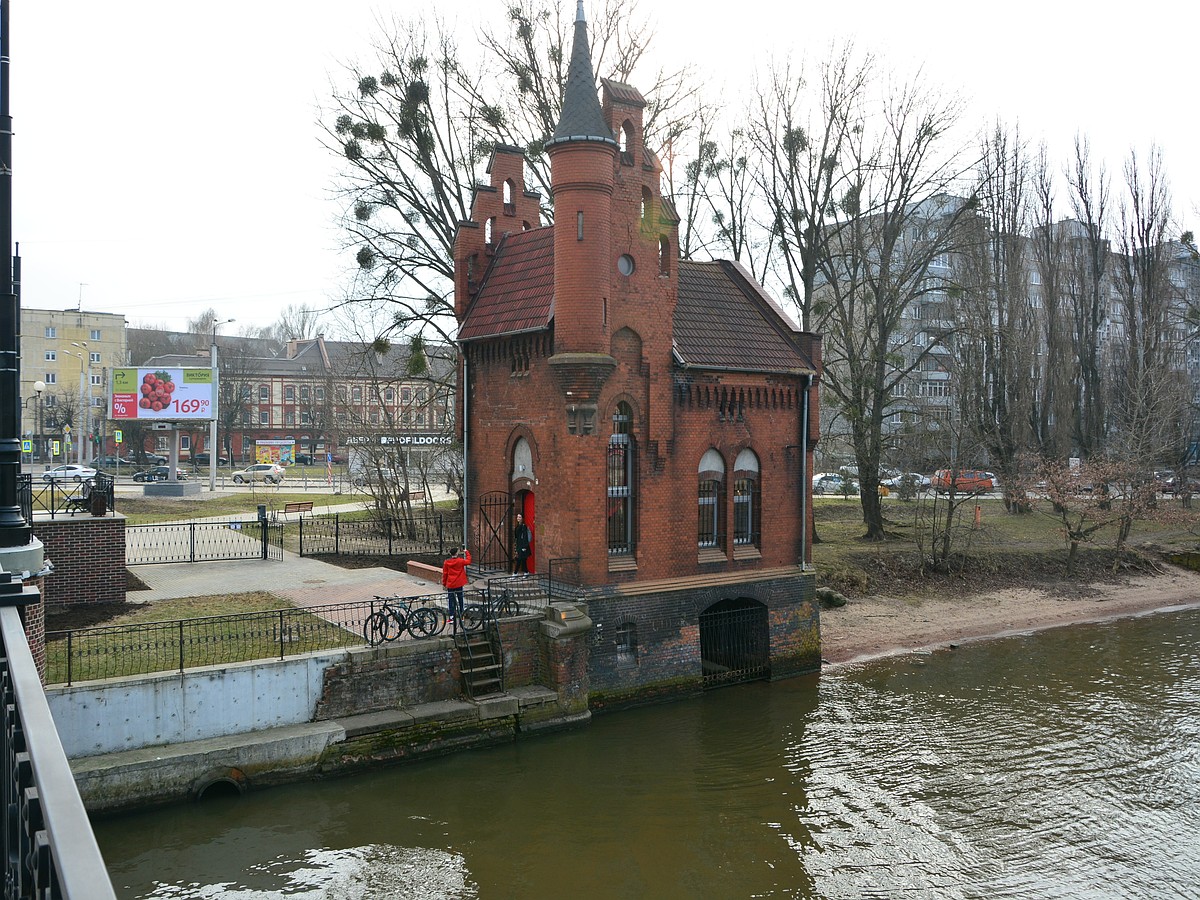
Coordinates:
<point>1061,764</point>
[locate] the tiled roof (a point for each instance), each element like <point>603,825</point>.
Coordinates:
<point>517,290</point>
<point>724,320</point>
<point>623,93</point>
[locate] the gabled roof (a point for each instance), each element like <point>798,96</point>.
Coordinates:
<point>724,320</point>
<point>517,290</point>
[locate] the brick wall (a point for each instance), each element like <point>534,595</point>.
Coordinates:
<point>33,618</point>
<point>667,662</point>
<point>89,559</point>
<point>390,677</point>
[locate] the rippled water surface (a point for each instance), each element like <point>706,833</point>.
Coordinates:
<point>1064,764</point>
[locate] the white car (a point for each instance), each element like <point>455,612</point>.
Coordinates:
<point>69,473</point>
<point>918,481</point>
<point>268,472</point>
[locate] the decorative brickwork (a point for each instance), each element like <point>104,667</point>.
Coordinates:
<point>89,559</point>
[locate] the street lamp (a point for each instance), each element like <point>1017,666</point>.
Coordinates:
<point>79,420</point>
<point>87,413</point>
<point>216,391</point>
<point>38,387</point>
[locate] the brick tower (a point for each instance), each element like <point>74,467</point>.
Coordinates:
<point>653,418</point>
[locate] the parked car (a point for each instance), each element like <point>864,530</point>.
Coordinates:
<point>914,480</point>
<point>69,473</point>
<point>305,459</point>
<point>159,473</point>
<point>833,483</point>
<point>110,462</point>
<point>203,459</point>
<point>1170,483</point>
<point>964,481</point>
<point>268,472</point>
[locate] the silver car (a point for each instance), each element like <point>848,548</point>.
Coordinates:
<point>69,473</point>
<point>268,472</point>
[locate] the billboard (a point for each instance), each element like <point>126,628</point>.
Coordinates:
<point>281,452</point>
<point>164,394</point>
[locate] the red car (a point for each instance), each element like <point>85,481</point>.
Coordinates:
<point>965,481</point>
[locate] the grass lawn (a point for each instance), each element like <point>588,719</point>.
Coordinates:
<point>147,510</point>
<point>197,631</point>
<point>1005,549</point>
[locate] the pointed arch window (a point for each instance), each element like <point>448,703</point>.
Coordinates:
<point>647,206</point>
<point>510,202</point>
<point>621,487</point>
<point>747,500</point>
<point>664,256</point>
<point>711,500</point>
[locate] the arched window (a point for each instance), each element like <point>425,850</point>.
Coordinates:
<point>522,460</point>
<point>711,500</point>
<point>510,201</point>
<point>647,205</point>
<point>664,256</point>
<point>621,488</point>
<point>626,141</point>
<point>747,500</point>
<point>488,229</point>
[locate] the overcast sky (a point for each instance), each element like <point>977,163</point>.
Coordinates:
<point>167,157</point>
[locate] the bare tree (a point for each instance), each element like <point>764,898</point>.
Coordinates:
<point>805,170</point>
<point>1090,202</point>
<point>897,216</point>
<point>997,340</point>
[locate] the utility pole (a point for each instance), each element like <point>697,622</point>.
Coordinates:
<point>216,393</point>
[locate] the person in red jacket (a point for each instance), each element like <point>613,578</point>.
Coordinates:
<point>454,579</point>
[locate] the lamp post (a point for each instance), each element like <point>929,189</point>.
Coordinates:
<point>86,417</point>
<point>216,391</point>
<point>80,428</point>
<point>38,387</point>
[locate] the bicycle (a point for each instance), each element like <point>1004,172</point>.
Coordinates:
<point>398,616</point>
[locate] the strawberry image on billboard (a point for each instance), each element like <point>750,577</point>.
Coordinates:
<point>165,394</point>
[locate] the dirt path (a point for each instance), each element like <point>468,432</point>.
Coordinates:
<point>871,627</point>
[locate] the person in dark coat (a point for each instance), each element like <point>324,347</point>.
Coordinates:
<point>522,545</point>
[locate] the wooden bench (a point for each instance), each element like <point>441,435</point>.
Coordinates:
<point>415,495</point>
<point>300,506</point>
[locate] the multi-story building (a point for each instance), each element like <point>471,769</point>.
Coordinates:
<point>71,353</point>
<point>325,396</point>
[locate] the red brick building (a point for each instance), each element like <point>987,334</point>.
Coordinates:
<point>653,418</point>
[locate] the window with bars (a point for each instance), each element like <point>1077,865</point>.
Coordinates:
<point>747,500</point>
<point>621,482</point>
<point>710,500</point>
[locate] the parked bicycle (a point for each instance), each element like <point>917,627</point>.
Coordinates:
<point>398,615</point>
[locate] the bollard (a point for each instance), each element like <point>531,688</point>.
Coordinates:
<point>978,516</point>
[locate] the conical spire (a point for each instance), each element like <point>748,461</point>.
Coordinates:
<point>581,118</point>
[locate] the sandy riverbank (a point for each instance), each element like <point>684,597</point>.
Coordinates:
<point>875,626</point>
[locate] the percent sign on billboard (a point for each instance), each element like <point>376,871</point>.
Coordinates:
<point>165,394</point>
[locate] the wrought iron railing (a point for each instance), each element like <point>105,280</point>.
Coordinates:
<point>116,651</point>
<point>334,535</point>
<point>63,497</point>
<point>202,542</point>
<point>49,848</point>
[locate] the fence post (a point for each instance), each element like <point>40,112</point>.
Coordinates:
<point>389,534</point>
<point>191,542</point>
<point>337,535</point>
<point>70,642</point>
<point>181,646</point>
<point>281,634</point>
<point>441,541</point>
<point>302,535</point>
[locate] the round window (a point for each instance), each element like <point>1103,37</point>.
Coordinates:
<point>625,264</point>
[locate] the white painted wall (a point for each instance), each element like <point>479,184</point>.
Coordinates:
<point>149,710</point>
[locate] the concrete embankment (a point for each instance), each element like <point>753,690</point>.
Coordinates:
<point>186,771</point>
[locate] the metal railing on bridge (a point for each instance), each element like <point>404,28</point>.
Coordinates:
<point>49,848</point>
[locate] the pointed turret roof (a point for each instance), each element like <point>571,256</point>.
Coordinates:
<point>581,118</point>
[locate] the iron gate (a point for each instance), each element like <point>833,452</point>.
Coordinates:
<point>735,642</point>
<point>203,542</point>
<point>492,539</point>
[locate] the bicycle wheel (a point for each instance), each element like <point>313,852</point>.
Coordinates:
<point>441,617</point>
<point>423,622</point>
<point>473,617</point>
<point>508,607</point>
<point>375,628</point>
<point>397,622</point>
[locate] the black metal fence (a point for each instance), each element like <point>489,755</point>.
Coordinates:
<point>203,542</point>
<point>49,847</point>
<point>333,535</point>
<point>115,651</point>
<point>63,497</point>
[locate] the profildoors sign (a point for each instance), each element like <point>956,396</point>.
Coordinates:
<point>165,394</point>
